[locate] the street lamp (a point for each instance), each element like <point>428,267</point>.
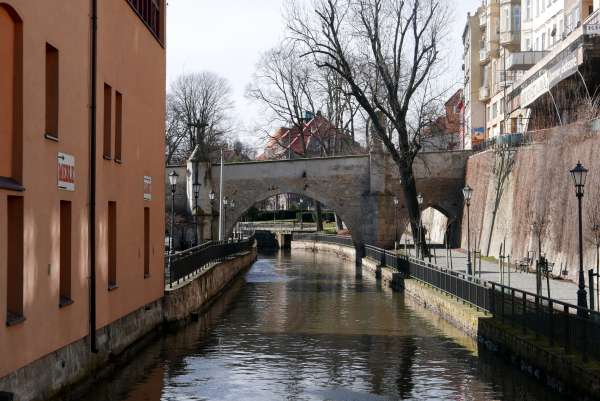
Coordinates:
<point>301,202</point>
<point>196,191</point>
<point>396,202</point>
<point>579,174</point>
<point>232,206</point>
<point>467,193</point>
<point>225,204</point>
<point>173,181</point>
<point>420,202</point>
<point>211,199</point>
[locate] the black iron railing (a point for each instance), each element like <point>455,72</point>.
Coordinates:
<point>558,323</point>
<point>329,239</point>
<point>182,265</point>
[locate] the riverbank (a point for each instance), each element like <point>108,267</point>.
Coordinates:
<point>72,370</point>
<point>566,373</point>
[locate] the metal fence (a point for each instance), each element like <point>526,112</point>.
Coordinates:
<point>182,265</point>
<point>329,239</point>
<point>558,323</point>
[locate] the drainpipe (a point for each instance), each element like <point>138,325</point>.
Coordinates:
<point>92,178</point>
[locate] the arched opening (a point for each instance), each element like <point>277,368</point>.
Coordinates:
<point>11,41</point>
<point>284,212</point>
<point>435,224</point>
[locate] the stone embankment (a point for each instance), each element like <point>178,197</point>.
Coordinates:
<point>538,189</point>
<point>69,372</point>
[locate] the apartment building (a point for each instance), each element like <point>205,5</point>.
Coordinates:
<point>82,93</point>
<point>517,35</point>
<point>474,91</point>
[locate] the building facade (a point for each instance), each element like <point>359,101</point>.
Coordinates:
<point>517,37</point>
<point>81,233</point>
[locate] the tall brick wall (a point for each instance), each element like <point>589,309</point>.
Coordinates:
<point>540,180</point>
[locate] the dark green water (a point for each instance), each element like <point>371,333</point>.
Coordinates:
<point>305,328</point>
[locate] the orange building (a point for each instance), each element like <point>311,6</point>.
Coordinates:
<point>81,238</point>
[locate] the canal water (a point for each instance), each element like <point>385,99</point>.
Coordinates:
<point>302,326</point>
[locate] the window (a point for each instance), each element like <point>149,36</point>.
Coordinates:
<point>11,81</point>
<point>107,121</point>
<point>544,41</point>
<point>118,126</point>
<point>537,8</point>
<point>65,253</point>
<point>528,10</point>
<point>51,130</point>
<point>112,245</point>
<point>146,242</point>
<point>528,44</point>
<point>516,18</point>
<point>150,11</point>
<point>14,253</point>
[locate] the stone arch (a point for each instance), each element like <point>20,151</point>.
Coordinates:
<point>452,231</point>
<point>245,200</point>
<point>11,97</point>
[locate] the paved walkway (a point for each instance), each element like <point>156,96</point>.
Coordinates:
<point>561,290</point>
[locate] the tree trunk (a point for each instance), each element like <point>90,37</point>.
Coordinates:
<point>412,206</point>
<point>318,216</point>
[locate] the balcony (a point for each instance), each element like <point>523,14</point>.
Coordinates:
<point>484,56</point>
<point>510,38</point>
<point>482,19</point>
<point>522,61</point>
<point>484,93</point>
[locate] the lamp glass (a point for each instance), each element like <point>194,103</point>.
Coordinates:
<point>211,195</point>
<point>420,199</point>
<point>467,192</point>
<point>225,201</point>
<point>579,174</point>
<point>173,178</point>
<point>196,189</point>
<point>396,201</point>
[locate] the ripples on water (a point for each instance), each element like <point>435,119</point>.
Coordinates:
<point>305,328</point>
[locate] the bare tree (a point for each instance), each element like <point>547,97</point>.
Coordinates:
<point>593,228</point>
<point>387,52</point>
<point>504,161</point>
<point>282,83</point>
<point>197,114</point>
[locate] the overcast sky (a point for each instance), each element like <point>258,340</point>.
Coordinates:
<point>228,37</point>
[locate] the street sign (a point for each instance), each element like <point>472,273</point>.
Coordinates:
<point>66,172</point>
<point>147,188</point>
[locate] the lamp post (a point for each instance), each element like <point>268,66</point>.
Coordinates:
<point>419,248</point>
<point>232,207</point>
<point>173,181</point>
<point>196,191</point>
<point>596,231</point>
<point>396,202</point>
<point>225,204</point>
<point>579,174</point>
<point>301,202</point>
<point>211,199</point>
<point>467,193</point>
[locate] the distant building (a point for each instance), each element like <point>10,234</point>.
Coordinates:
<point>317,137</point>
<point>527,48</point>
<point>445,132</point>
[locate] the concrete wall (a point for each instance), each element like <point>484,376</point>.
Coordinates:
<point>539,185</point>
<point>132,61</point>
<point>74,368</point>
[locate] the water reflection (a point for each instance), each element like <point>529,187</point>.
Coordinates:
<point>305,328</point>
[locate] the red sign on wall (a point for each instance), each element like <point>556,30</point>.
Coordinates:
<point>66,172</point>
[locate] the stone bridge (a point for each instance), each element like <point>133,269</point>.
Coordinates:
<point>359,188</point>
